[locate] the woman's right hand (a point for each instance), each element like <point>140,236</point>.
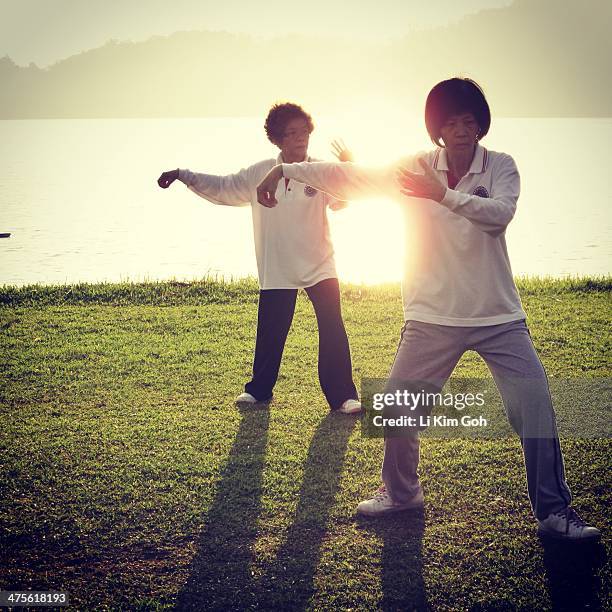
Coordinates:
<point>266,190</point>
<point>167,178</point>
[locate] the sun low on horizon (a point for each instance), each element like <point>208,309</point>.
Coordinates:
<point>369,235</point>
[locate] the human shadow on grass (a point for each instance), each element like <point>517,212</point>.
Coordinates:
<point>403,587</point>
<point>220,577</point>
<point>289,581</point>
<point>573,574</point>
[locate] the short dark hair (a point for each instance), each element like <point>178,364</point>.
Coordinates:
<point>453,97</point>
<point>278,118</point>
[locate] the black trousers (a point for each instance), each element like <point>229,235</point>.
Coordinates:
<point>274,317</point>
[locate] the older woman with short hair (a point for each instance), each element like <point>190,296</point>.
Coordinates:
<point>294,251</point>
<point>458,293</point>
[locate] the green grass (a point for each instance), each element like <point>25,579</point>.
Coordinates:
<point>214,291</point>
<point>129,479</point>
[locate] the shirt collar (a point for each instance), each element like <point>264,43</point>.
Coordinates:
<point>479,163</point>
<point>279,159</point>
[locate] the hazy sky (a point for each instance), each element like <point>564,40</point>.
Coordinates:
<point>44,31</point>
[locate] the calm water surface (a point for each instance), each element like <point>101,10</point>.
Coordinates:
<point>81,200</point>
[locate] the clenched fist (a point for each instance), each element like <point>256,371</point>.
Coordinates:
<point>167,178</point>
<point>266,190</point>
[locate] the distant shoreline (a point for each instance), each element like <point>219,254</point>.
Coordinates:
<point>252,116</point>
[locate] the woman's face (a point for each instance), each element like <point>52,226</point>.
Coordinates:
<point>460,132</point>
<point>294,143</point>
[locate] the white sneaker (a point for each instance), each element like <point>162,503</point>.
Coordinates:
<point>351,406</point>
<point>246,398</point>
<point>382,503</point>
<point>567,525</point>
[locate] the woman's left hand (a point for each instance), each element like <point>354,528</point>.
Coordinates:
<point>341,151</point>
<point>427,186</point>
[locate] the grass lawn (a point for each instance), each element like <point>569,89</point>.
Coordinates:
<point>130,480</point>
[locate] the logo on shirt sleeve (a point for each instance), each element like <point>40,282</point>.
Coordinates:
<point>311,192</point>
<point>481,192</point>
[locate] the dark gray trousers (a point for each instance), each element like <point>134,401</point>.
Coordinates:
<point>274,317</point>
<point>430,352</point>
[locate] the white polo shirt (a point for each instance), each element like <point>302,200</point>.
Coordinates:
<point>456,271</point>
<point>292,240</point>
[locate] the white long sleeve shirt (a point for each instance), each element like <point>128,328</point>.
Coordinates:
<point>456,271</point>
<point>292,240</point>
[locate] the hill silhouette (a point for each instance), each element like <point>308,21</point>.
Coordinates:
<point>533,58</point>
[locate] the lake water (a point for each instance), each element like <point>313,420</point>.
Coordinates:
<point>81,200</point>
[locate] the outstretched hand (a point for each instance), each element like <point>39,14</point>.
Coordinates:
<point>266,190</point>
<point>167,178</point>
<point>341,151</point>
<point>427,186</point>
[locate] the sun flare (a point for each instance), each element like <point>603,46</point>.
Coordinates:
<point>369,235</point>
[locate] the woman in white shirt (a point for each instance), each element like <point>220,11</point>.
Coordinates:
<point>458,294</point>
<point>294,251</point>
